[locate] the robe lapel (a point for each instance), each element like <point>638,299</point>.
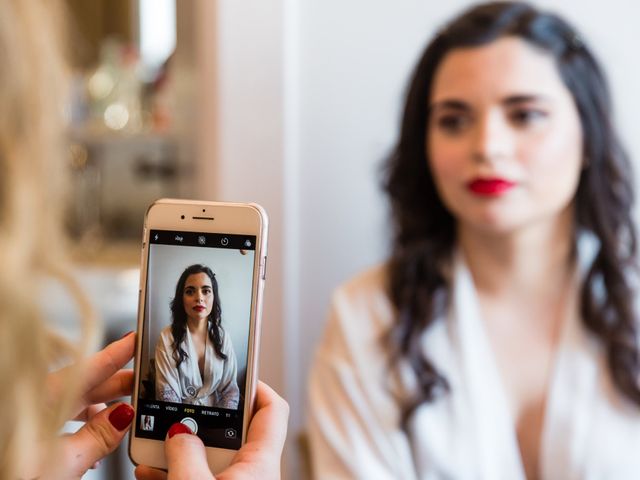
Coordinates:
<point>492,427</point>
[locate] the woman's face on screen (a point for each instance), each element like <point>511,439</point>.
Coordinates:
<point>197,297</point>
<point>504,136</point>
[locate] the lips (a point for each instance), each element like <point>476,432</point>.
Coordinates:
<point>490,187</point>
<point>199,308</point>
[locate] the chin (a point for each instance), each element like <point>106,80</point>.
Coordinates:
<point>495,221</point>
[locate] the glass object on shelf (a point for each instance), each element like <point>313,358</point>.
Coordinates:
<point>115,178</point>
<point>114,89</point>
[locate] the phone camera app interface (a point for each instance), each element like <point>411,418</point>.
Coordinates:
<point>196,335</point>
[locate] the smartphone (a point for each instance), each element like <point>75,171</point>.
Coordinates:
<point>202,275</point>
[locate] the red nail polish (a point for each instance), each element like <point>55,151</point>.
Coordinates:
<point>178,428</point>
<point>126,334</point>
<point>122,416</point>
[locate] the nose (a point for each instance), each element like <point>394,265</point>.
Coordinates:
<point>493,138</point>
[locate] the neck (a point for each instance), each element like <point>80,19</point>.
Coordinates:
<point>532,260</point>
<point>197,325</point>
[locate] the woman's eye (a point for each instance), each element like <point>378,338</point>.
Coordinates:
<point>206,291</point>
<point>452,123</point>
<point>527,116</point>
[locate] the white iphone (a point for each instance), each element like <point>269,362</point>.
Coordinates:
<point>201,283</point>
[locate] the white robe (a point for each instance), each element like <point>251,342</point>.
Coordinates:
<point>185,384</point>
<point>589,431</point>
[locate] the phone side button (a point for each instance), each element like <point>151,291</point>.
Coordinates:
<point>263,268</point>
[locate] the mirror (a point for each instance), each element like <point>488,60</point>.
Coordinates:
<point>125,150</point>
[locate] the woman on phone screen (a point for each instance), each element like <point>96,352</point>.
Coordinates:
<point>500,340</point>
<point>195,361</point>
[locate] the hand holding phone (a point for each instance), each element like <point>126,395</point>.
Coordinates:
<point>258,458</point>
<point>202,276</point>
<point>104,427</point>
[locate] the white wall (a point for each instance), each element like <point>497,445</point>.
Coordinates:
<point>240,143</point>
<point>306,104</point>
<point>355,60</point>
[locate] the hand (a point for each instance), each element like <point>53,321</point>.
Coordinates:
<point>259,457</point>
<point>105,427</point>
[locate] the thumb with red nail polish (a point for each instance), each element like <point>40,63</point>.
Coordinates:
<point>100,436</point>
<point>186,456</point>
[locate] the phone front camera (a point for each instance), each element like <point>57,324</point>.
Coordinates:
<point>203,210</point>
<point>182,217</point>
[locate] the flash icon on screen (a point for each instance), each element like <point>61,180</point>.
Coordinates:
<point>202,240</point>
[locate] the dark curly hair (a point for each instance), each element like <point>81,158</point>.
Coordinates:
<point>179,316</point>
<point>424,230</point>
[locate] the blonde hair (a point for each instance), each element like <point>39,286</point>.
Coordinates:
<point>33,89</point>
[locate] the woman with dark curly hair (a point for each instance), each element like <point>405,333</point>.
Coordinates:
<point>500,340</point>
<point>195,361</point>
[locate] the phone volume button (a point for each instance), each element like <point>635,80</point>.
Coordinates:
<point>263,268</point>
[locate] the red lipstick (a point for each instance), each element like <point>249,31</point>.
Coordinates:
<point>199,308</point>
<point>489,187</point>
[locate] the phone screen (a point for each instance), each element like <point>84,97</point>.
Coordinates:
<point>195,338</point>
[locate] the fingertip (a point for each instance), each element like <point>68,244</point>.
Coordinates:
<point>128,340</point>
<point>139,472</point>
<point>143,472</point>
<point>265,395</point>
<point>127,381</point>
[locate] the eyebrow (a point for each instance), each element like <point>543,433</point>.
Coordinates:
<point>455,104</point>
<point>515,99</point>
<point>450,104</point>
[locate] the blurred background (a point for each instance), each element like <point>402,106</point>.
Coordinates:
<point>289,103</point>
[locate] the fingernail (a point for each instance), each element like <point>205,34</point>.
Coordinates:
<point>126,334</point>
<point>122,416</point>
<point>177,428</point>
